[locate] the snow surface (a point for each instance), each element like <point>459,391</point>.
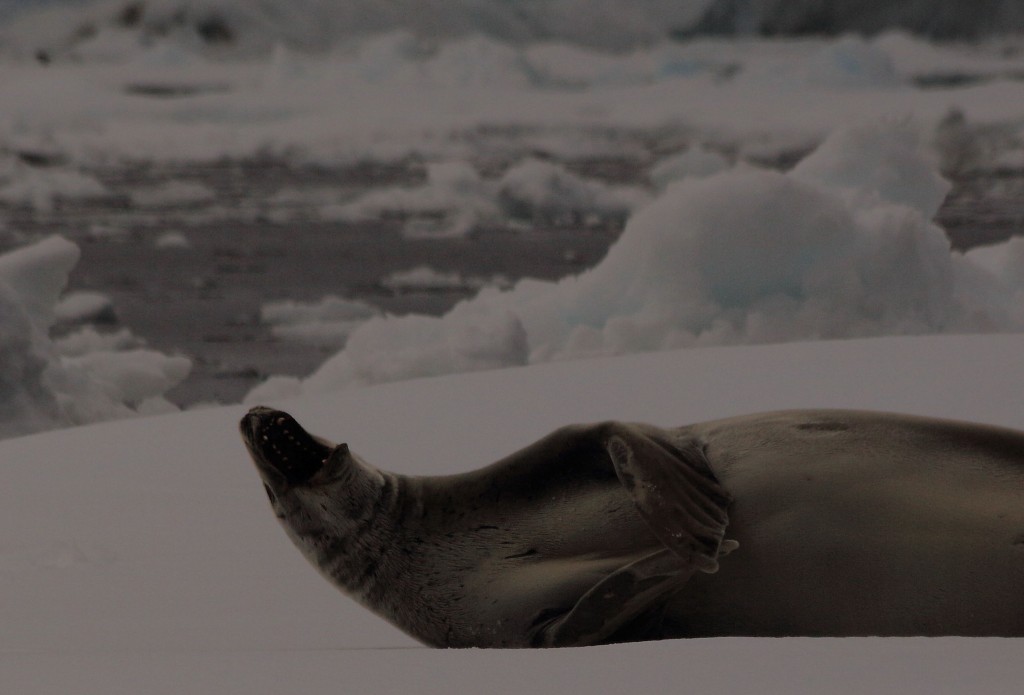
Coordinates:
<point>142,556</point>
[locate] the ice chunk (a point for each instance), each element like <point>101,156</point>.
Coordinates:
<point>696,161</point>
<point>172,240</point>
<point>326,322</point>
<point>889,162</point>
<point>82,377</point>
<point>85,307</point>
<point>540,189</point>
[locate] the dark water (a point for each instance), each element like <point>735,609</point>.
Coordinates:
<point>204,301</point>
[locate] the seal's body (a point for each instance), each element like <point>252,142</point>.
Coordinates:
<point>833,523</point>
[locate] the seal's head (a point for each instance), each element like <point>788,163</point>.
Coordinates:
<point>320,491</point>
<point>283,451</point>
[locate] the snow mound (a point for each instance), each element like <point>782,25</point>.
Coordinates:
<point>842,246</point>
<point>82,377</point>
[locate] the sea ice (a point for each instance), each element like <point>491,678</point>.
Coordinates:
<point>326,322</point>
<point>842,246</point>
<point>546,191</point>
<point>455,199</point>
<point>42,188</point>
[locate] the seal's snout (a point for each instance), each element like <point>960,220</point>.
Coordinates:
<point>275,438</point>
<point>254,421</point>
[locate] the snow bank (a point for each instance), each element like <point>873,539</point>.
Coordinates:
<point>842,246</point>
<point>82,377</point>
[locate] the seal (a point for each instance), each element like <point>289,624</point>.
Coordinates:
<point>816,523</point>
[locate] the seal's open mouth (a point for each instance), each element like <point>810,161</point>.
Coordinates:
<point>275,438</point>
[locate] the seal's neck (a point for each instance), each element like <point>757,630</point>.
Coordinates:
<point>343,523</point>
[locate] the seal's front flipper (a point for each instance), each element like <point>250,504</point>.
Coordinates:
<point>675,492</point>
<point>614,602</point>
